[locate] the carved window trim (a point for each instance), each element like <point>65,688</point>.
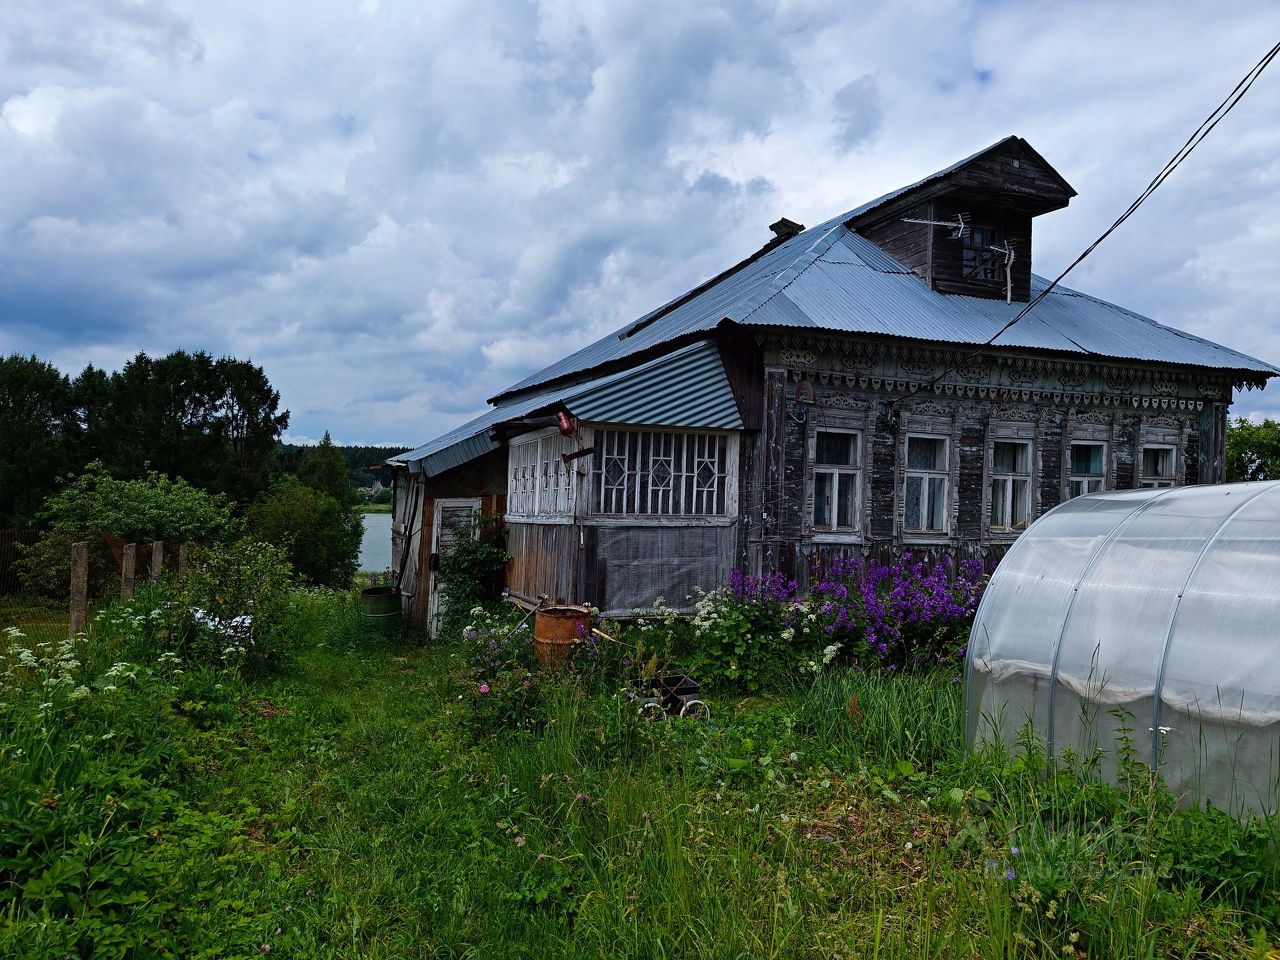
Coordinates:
<point>829,417</point>
<point>1158,437</point>
<point>928,488</point>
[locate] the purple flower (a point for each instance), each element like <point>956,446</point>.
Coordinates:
<point>1009,874</point>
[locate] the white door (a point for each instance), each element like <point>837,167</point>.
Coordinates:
<point>451,518</point>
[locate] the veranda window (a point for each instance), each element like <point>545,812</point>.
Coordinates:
<point>925,490</point>
<point>836,460</point>
<point>540,483</point>
<point>1088,469</point>
<point>1010,485</point>
<point>1156,467</point>
<point>663,473</point>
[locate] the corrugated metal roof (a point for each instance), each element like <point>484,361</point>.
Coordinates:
<point>688,388</point>
<point>685,388</point>
<point>830,277</point>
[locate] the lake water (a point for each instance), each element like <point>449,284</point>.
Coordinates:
<point>375,549</point>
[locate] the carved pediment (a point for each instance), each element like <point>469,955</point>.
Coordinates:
<point>841,401</point>
<point>930,408</point>
<point>1009,411</point>
<point>798,358</point>
<point>1096,417</point>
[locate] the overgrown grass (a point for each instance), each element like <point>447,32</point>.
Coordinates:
<point>347,806</point>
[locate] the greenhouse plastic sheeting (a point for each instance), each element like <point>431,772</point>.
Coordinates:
<point>1151,616</point>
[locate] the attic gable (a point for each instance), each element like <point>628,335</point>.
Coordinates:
<point>989,199</point>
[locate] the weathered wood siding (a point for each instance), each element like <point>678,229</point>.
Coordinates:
<point>546,558</point>
<point>1040,400</point>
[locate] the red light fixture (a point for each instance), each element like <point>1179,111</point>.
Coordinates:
<point>565,424</point>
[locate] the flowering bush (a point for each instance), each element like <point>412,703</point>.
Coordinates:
<point>906,615</point>
<point>756,633</point>
<point>759,631</point>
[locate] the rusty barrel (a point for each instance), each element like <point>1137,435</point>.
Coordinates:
<point>555,631</point>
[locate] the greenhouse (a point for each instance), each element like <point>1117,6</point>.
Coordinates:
<point>1149,617</point>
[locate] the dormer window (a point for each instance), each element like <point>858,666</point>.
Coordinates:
<point>981,263</point>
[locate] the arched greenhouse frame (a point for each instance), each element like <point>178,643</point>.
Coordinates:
<point>1148,615</point>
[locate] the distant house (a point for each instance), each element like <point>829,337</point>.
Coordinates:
<point>826,397</point>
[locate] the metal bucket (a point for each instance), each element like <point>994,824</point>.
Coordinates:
<point>380,608</point>
<point>555,631</point>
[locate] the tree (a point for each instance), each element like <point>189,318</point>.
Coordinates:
<point>213,422</point>
<point>38,430</point>
<point>96,506</point>
<point>325,470</point>
<point>321,536</point>
<point>1253,450</point>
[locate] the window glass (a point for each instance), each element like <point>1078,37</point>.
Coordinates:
<point>837,449</point>
<point>1009,457</point>
<point>926,453</point>
<point>1157,462</point>
<point>823,482</point>
<point>911,517</point>
<point>1087,458</point>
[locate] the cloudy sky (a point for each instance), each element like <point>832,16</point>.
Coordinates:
<point>400,207</point>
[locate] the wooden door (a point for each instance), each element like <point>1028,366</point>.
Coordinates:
<point>451,518</point>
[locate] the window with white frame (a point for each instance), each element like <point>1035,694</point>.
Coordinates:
<point>1156,465</point>
<point>1010,480</point>
<point>663,473</point>
<point>540,483</point>
<point>837,456</point>
<point>1087,468</point>
<point>925,489</point>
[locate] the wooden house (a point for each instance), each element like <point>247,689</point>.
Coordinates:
<point>832,394</point>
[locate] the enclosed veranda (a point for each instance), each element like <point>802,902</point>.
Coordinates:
<point>1146,614</point>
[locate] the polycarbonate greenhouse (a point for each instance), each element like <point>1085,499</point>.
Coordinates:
<point>1153,610</point>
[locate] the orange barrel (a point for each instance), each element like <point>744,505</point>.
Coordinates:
<point>555,631</point>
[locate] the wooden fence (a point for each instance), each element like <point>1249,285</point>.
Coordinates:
<point>128,560</point>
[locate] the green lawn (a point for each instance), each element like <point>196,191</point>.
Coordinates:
<point>360,807</point>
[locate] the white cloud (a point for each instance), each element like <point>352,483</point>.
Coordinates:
<point>398,209</point>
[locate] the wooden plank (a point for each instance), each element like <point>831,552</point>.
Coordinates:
<point>79,588</point>
<point>128,568</point>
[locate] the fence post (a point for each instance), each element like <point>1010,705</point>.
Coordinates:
<point>157,560</point>
<point>128,570</point>
<point>182,560</point>
<point>79,588</point>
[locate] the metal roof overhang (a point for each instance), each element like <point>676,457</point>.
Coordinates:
<point>687,388</point>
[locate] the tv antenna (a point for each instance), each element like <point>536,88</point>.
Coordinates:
<point>959,227</point>
<point>1009,256</point>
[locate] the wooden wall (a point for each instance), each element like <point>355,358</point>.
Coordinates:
<point>1125,407</point>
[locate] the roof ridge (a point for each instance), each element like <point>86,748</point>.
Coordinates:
<point>830,237</point>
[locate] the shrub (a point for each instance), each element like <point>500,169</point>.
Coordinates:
<point>320,536</point>
<point>96,506</point>
<point>754,634</point>
<point>472,570</point>
<point>500,687</point>
<point>903,616</point>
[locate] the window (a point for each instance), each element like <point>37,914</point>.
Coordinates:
<point>835,480</point>
<point>925,508</point>
<point>1088,468</point>
<point>1155,467</point>
<point>980,261</point>
<point>540,483</point>
<point>1010,485</point>
<point>663,473</point>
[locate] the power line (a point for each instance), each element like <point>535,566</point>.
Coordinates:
<point>1193,141</point>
